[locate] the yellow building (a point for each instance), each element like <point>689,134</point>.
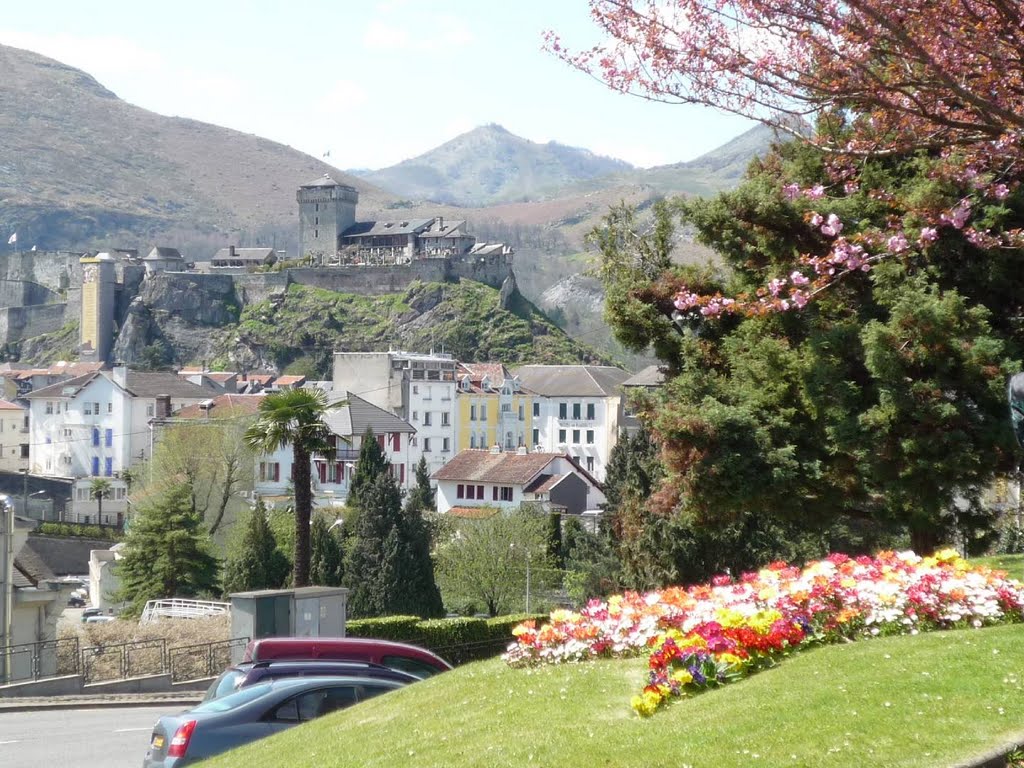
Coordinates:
<point>13,437</point>
<point>491,408</point>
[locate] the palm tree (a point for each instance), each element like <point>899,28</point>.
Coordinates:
<point>99,489</point>
<point>295,417</point>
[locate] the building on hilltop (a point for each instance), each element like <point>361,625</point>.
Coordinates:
<point>162,259</point>
<point>243,259</point>
<point>329,232</point>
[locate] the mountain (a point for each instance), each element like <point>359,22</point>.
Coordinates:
<point>79,167</point>
<point>489,165</point>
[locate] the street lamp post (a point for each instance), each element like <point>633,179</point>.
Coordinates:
<point>512,546</point>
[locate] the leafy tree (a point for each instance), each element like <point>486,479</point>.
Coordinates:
<point>211,458</point>
<point>166,553</point>
<point>389,570</point>
<point>592,568</point>
<point>295,417</point>
<point>325,563</point>
<point>99,489</point>
<point>878,409</point>
<point>555,544</point>
<point>485,564</point>
<point>256,562</point>
<point>883,80</point>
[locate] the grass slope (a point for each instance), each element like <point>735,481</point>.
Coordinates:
<point>928,700</point>
<point>464,319</point>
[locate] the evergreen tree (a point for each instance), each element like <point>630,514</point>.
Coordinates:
<point>371,464</point>
<point>257,562</point>
<point>422,496</point>
<point>166,553</point>
<point>555,551</point>
<point>325,562</point>
<point>389,570</point>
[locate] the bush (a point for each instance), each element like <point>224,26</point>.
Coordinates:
<point>402,629</point>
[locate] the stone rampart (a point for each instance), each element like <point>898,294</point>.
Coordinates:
<point>17,323</point>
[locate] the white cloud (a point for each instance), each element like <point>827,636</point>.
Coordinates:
<point>424,33</point>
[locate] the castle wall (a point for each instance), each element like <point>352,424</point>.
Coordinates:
<point>18,323</point>
<point>490,270</point>
<point>259,286</point>
<point>371,281</point>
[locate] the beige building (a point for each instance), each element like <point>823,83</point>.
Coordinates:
<point>13,437</point>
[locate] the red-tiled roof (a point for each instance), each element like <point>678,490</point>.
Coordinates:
<point>473,513</point>
<point>289,381</point>
<point>486,467</point>
<point>220,376</point>
<point>222,406</point>
<point>7,405</point>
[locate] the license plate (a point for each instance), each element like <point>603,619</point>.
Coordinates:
<point>158,742</point>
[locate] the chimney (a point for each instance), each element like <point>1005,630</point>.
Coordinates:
<point>163,406</point>
<point>120,375</point>
<point>231,251</point>
<point>495,449</point>
<point>521,450</point>
<point>440,223</point>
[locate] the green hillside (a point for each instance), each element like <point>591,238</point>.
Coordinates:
<point>299,331</point>
<point>937,699</point>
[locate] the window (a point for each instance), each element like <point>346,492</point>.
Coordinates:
<point>590,437</point>
<point>96,408</point>
<point>460,491</point>
<point>563,410</point>
<point>426,445</point>
<point>49,406</point>
<point>536,436</point>
<point>316,233</point>
<point>108,467</point>
<point>88,409</point>
<point>415,389</point>
<point>270,471</point>
<point>415,415</point>
<point>536,409</point>
<point>561,436</point>
<point>110,407</point>
<point>109,438</point>
<point>506,493</point>
<point>590,463</point>
<point>24,450</point>
<point>95,466</point>
<point>483,412</point>
<point>494,495</point>
<point>149,409</point>
<point>590,411</point>
<point>522,412</point>
<point>95,436</point>
<point>472,441</point>
<point>445,419</point>
<point>426,419</point>
<point>472,413</point>
<point>576,410</point>
<point>445,444</point>
<point>575,437</point>
<point>506,407</point>
<point>479,491</point>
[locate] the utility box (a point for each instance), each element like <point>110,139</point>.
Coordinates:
<point>302,612</point>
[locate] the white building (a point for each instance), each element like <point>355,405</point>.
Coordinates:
<point>419,389</point>
<point>505,480</point>
<point>97,425</point>
<point>577,409</point>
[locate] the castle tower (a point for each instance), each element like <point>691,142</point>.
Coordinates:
<point>326,209</point>
<point>97,327</point>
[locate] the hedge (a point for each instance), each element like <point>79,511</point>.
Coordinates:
<point>458,639</point>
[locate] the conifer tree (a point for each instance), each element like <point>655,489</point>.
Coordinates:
<point>166,553</point>
<point>371,463</point>
<point>325,564</point>
<point>422,496</point>
<point>257,563</point>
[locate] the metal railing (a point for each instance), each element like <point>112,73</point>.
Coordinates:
<point>34,661</point>
<point>122,660</point>
<point>178,608</point>
<point>193,662</point>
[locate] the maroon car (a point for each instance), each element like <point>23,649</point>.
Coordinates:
<point>401,656</point>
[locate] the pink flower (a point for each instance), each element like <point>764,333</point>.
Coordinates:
<point>1001,191</point>
<point>798,278</point>
<point>850,187</point>
<point>685,300</point>
<point>775,286</point>
<point>791,191</point>
<point>833,227</point>
<point>897,243</point>
<point>928,235</point>
<point>816,192</point>
<point>816,219</point>
<point>799,298</point>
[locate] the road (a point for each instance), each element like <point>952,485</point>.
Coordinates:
<point>112,737</point>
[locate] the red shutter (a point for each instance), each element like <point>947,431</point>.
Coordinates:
<point>277,472</point>
<point>401,472</point>
<point>322,470</point>
<point>460,491</point>
<point>495,496</point>
<point>339,472</point>
<point>479,491</point>
<point>380,440</point>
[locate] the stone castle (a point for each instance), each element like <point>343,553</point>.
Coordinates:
<point>109,292</point>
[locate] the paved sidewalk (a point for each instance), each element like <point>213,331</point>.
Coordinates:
<point>172,700</point>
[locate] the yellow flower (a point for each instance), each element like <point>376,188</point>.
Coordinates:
<point>682,676</point>
<point>646,703</point>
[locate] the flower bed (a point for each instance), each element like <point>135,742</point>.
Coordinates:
<point>708,635</point>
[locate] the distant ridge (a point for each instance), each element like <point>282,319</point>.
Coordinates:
<point>489,165</point>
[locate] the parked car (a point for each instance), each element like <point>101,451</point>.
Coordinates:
<point>253,713</point>
<point>76,602</point>
<point>89,613</point>
<point>250,673</point>
<point>401,656</point>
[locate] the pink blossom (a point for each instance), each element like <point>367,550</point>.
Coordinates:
<point>897,243</point>
<point>791,191</point>
<point>850,187</point>
<point>928,235</point>
<point>775,286</point>
<point>816,219</point>
<point>1001,191</point>
<point>833,227</point>
<point>958,216</point>
<point>799,298</point>
<point>686,300</point>
<point>798,278</point>
<point>816,192</point>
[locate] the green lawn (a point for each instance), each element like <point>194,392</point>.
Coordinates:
<point>1012,564</point>
<point>929,700</point>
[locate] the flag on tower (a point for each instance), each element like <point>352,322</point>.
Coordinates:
<point>12,239</point>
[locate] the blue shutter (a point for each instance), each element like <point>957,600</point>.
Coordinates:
<point>108,467</point>
<point>110,438</point>
<point>95,436</point>
<point>95,466</point>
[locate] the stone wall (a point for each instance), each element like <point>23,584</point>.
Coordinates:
<point>255,287</point>
<point>18,323</point>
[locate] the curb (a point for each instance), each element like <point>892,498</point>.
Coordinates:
<point>35,704</point>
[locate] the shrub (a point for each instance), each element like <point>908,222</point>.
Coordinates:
<point>399,628</point>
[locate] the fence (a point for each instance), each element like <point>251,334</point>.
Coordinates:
<point>178,608</point>
<point>192,662</point>
<point>49,658</point>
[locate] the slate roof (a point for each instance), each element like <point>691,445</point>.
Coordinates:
<point>68,388</point>
<point>372,228</point>
<point>29,568</point>
<point>354,418</point>
<point>222,406</point>
<point>323,181</point>
<point>651,376</point>
<point>244,254</point>
<point>486,467</point>
<point>572,380</point>
<point>289,381</point>
<point>153,383</point>
<point>543,483</point>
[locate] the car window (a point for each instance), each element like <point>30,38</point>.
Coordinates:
<point>413,666</point>
<point>233,700</point>
<point>313,704</point>
<point>228,681</point>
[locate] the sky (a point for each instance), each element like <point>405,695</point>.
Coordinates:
<point>372,83</point>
